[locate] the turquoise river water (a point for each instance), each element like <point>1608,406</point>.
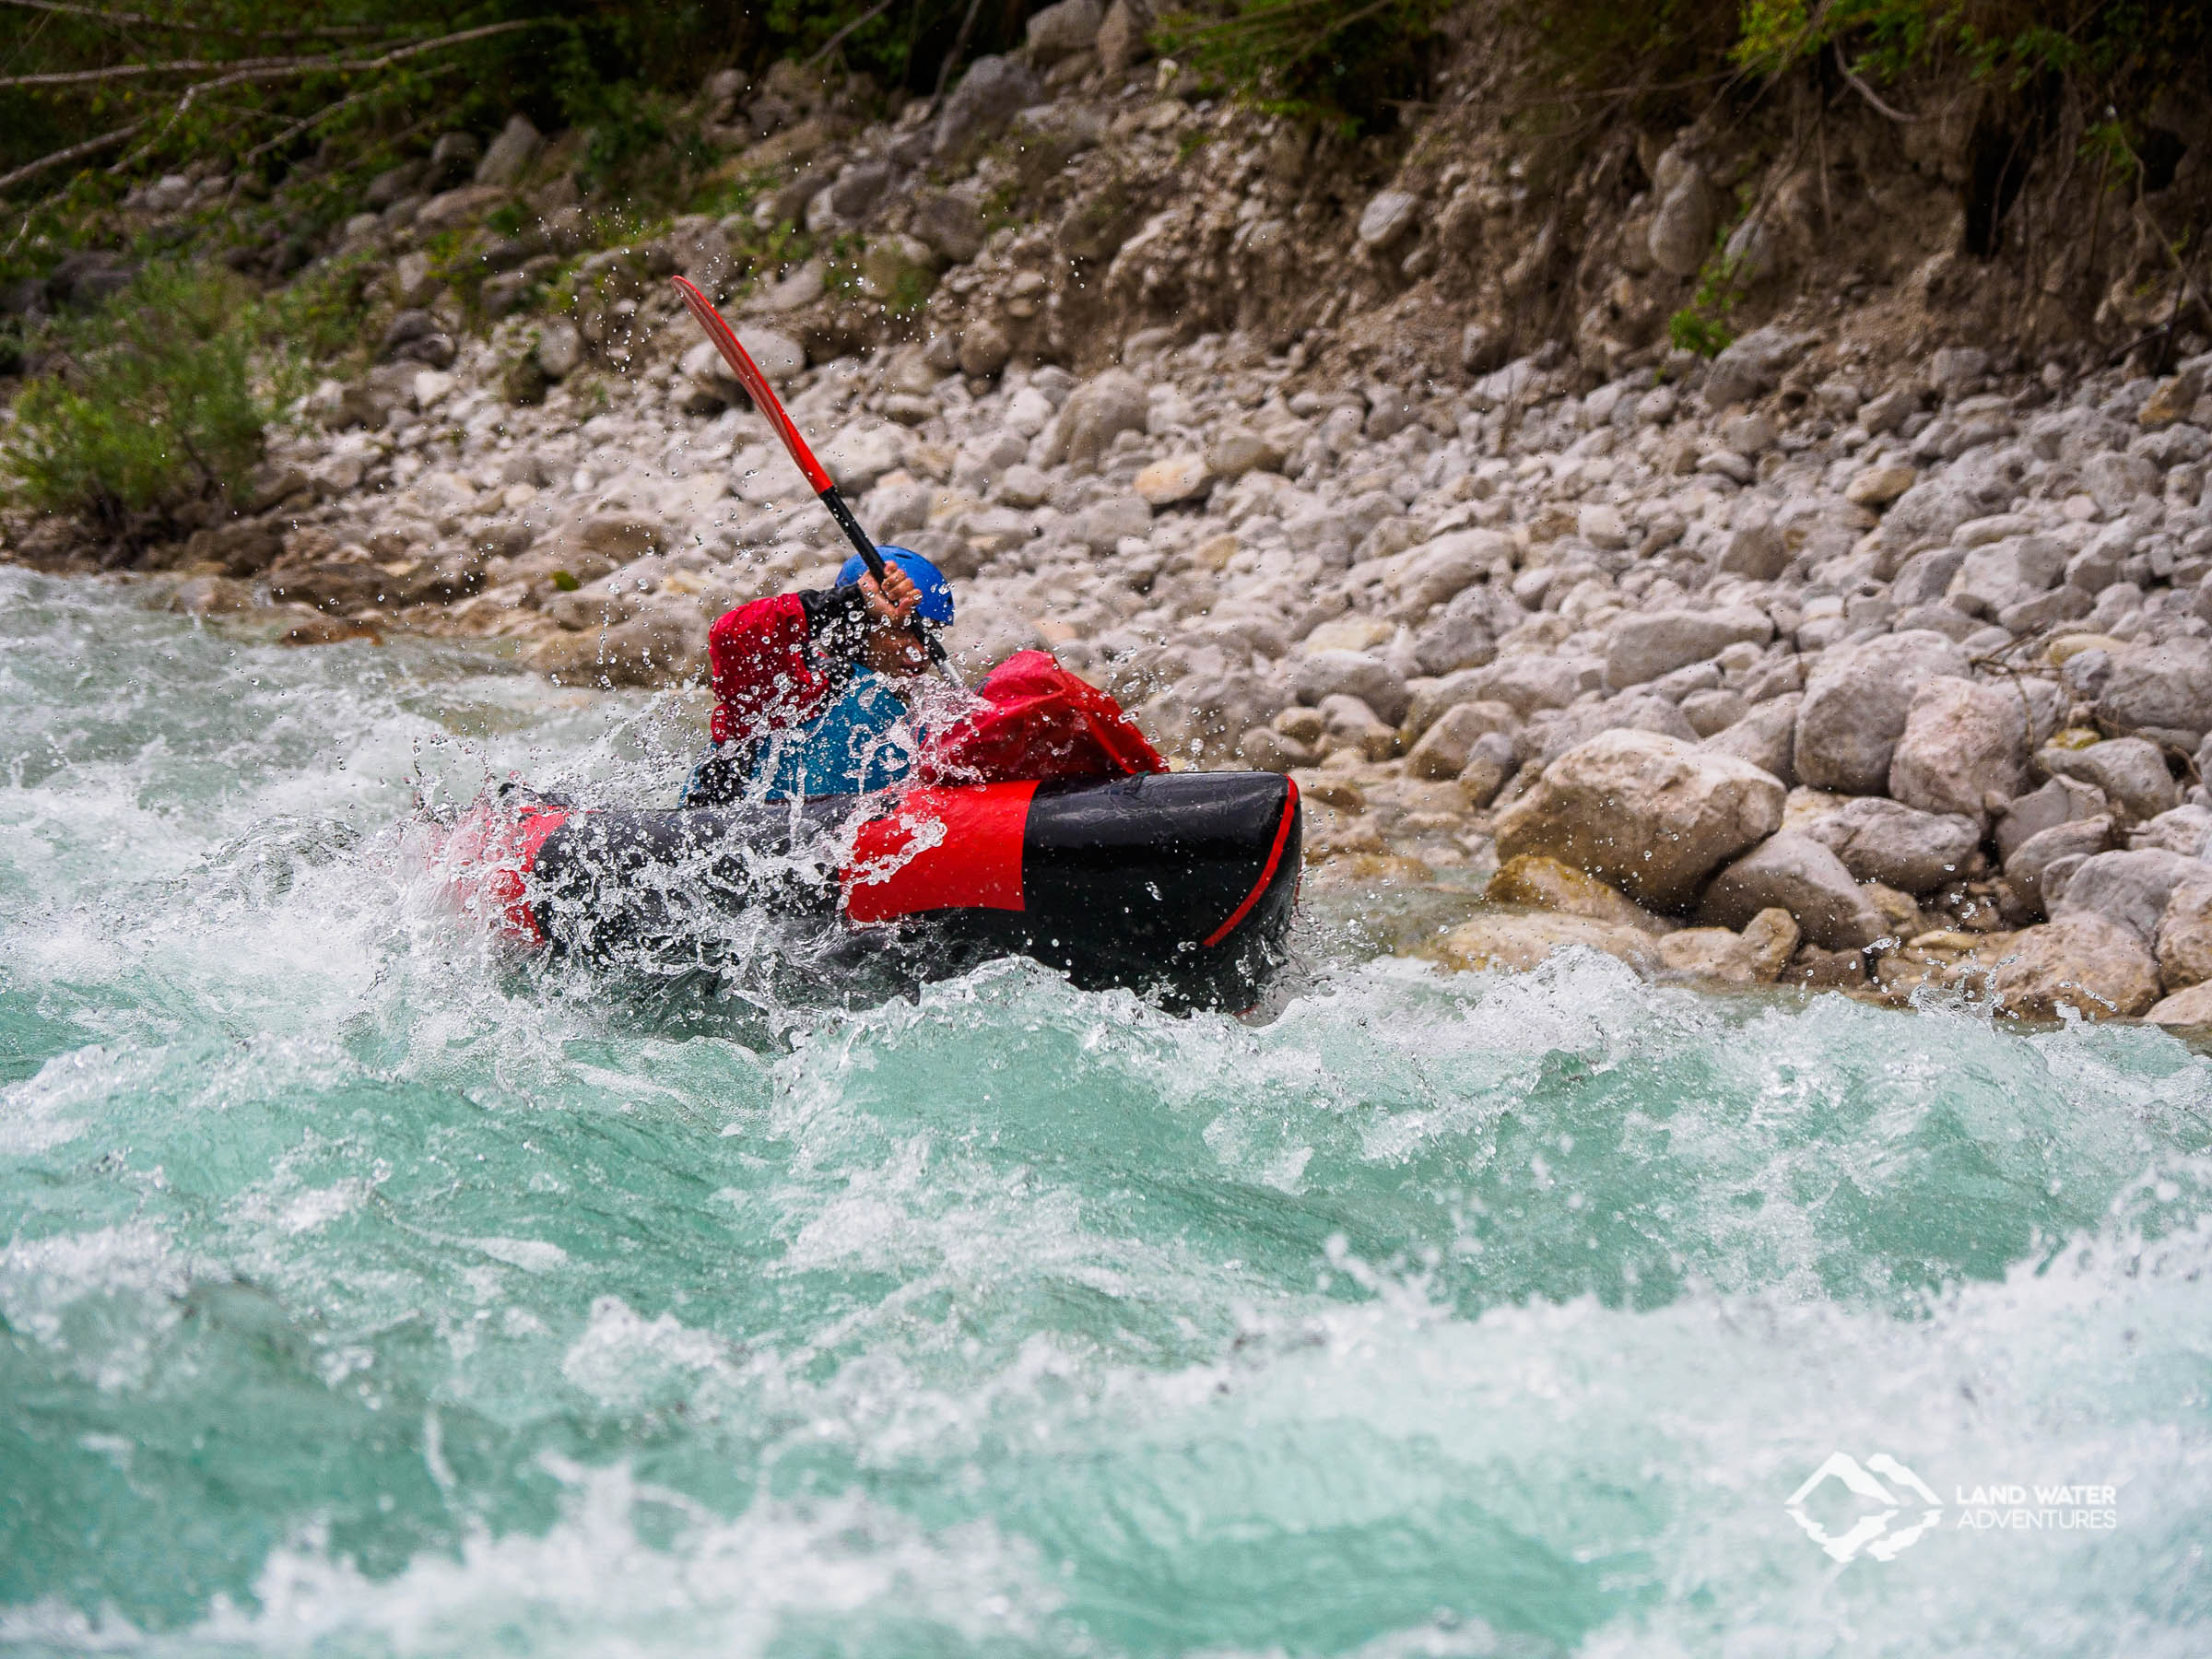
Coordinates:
<point>363,1291</point>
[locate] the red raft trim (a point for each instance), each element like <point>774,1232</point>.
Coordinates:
<point>1275,857</point>
<point>940,849</point>
<point>490,858</point>
<point>509,883</point>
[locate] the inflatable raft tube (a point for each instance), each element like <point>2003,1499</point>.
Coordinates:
<point>1181,884</point>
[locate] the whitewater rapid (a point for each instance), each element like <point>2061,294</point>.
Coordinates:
<point>364,1291</point>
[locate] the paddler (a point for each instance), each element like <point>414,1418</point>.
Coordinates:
<point>812,689</point>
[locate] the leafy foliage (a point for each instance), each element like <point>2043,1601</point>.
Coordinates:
<point>1691,329</point>
<point>1702,325</point>
<point>1598,45</point>
<point>1344,64</point>
<point>901,44</point>
<point>157,403</point>
<point>1666,58</point>
<point>2145,43</point>
<point>259,84</point>
<point>320,316</point>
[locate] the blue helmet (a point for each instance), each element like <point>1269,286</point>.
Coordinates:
<point>929,582</point>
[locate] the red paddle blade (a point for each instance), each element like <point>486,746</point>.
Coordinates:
<point>755,382</point>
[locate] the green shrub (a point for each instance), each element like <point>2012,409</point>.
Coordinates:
<point>1702,325</point>
<point>1344,64</point>
<point>2145,44</point>
<point>155,403</point>
<point>1661,60</point>
<point>324,313</point>
<point>1689,330</point>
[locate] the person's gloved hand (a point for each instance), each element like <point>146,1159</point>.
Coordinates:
<point>896,600</point>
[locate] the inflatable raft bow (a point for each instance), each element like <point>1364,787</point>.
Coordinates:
<point>1176,883</point>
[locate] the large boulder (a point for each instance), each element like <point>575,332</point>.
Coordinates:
<point>1643,647</point>
<point>2130,772</point>
<point>1757,549</point>
<point>1549,736</point>
<point>986,99</point>
<point>1523,940</point>
<point>2131,889</point>
<point>2185,830</point>
<point>560,348</point>
<point>1856,705</point>
<point>2062,800</point>
<point>1458,636</point>
<point>1448,745</point>
<point>416,337</point>
<point>1063,30</point>
<point>2117,480</point>
<point>1096,413</point>
<point>1681,238</point>
<point>1349,723</point>
<point>1926,514</point>
<point>1432,698</point>
<point>2184,936</point>
<point>1796,874</point>
<point>509,153</point>
<point>1532,680</point>
<point>1388,217</point>
<point>2087,964</point>
<point>2057,852</point>
<point>1926,577</point>
<point>1648,813</point>
<point>1174,479</point>
<point>1438,571</point>
<point>1964,749</point>
<point>1535,882</point>
<point>1491,763</point>
<point>453,208</point>
<point>1749,366</point>
<point>2162,691</point>
<point>1374,681</point>
<point>1755,957</point>
<point>1767,736</point>
<point>664,641</point>
<point>2184,1010</point>
<point>1885,841</point>
<point>1101,525</point>
<point>1238,450</point>
<point>777,356</point>
<point>1993,578</point>
<point>948,223</point>
<point>1121,42</point>
<point>1879,486</point>
<point>861,454</point>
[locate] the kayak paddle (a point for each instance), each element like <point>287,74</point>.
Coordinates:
<point>765,400</point>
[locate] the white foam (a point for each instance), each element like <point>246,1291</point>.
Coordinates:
<point>625,1360</point>
<point>591,1586</point>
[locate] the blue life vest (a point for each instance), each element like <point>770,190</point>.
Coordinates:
<point>854,745</point>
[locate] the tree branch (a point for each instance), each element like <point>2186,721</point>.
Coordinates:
<point>1867,92</point>
<point>242,72</point>
<point>324,66</point>
<point>75,152</point>
<point>70,78</point>
<point>317,119</point>
<point>137,20</point>
<point>274,68</point>
<point>960,45</point>
<point>838,38</point>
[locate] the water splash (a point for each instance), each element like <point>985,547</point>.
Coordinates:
<point>363,1293</point>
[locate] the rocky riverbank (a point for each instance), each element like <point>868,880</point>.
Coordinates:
<point>1821,661</point>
